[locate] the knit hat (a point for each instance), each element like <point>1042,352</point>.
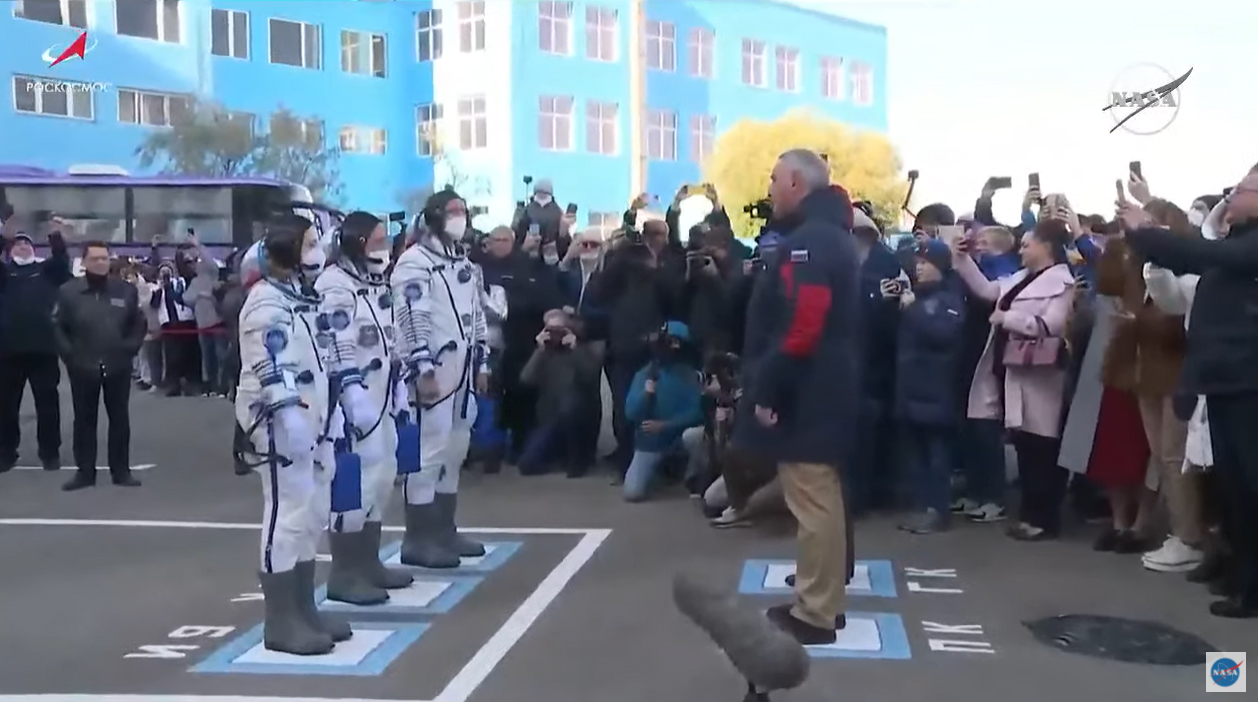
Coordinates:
<point>936,253</point>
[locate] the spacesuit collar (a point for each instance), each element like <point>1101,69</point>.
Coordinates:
<point>450,252</point>
<point>294,290</point>
<point>360,276</point>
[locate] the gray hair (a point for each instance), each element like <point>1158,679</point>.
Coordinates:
<point>813,169</point>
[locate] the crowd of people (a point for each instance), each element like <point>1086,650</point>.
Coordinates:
<point>823,371</point>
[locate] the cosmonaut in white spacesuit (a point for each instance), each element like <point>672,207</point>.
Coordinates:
<point>283,404</point>
<point>442,340</point>
<point>366,379</point>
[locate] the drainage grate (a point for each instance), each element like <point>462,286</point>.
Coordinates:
<point>1126,640</point>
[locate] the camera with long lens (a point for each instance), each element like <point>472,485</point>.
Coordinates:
<point>760,209</point>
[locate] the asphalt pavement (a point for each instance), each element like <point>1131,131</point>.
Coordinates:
<point>149,593</point>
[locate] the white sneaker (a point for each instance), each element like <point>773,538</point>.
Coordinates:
<point>729,519</point>
<point>964,505</point>
<point>1174,556</point>
<point>987,513</point>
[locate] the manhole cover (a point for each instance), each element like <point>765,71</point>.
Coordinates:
<point>1126,640</point>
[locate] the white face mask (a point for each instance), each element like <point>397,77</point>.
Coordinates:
<point>589,256</point>
<point>550,258</point>
<point>377,261</point>
<point>24,260</point>
<point>1213,227</point>
<point>1196,217</point>
<point>542,198</point>
<point>312,261</point>
<point>456,227</point>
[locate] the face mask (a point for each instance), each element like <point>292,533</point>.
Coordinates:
<point>1195,217</point>
<point>312,261</point>
<point>542,199</point>
<point>1213,227</point>
<point>456,227</point>
<point>589,256</point>
<point>377,261</point>
<point>24,260</point>
<point>551,259</point>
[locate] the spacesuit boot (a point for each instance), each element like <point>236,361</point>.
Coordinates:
<point>350,579</point>
<point>447,506</point>
<point>424,545</point>
<point>284,628</point>
<point>330,624</point>
<point>381,575</point>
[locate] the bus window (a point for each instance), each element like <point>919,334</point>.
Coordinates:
<point>92,213</point>
<point>170,211</point>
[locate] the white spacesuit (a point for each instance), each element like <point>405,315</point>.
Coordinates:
<point>283,404</point>
<point>442,337</point>
<point>367,376</point>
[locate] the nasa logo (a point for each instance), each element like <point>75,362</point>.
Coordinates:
<point>1137,106</point>
<point>1225,672</point>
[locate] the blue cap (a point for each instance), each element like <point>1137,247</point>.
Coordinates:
<point>677,330</point>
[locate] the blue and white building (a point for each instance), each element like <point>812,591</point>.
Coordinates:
<point>483,92</point>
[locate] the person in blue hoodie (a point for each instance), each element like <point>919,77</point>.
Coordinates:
<point>928,356</point>
<point>664,399</point>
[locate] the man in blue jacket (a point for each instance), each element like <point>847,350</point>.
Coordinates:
<point>802,350</point>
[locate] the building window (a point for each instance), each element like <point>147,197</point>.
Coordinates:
<point>245,120</point>
<point>71,13</point>
<point>601,127</point>
<point>661,46</point>
<point>296,44</point>
<point>471,26</point>
<point>753,63</point>
<point>832,78</point>
<point>363,140</point>
<point>862,83</point>
<point>362,53</point>
<point>473,123</point>
<point>661,135</point>
<point>229,34</point>
<point>554,123</point>
<point>702,137</point>
<point>601,26</point>
<point>150,109</point>
<point>699,46</point>
<point>786,63</point>
<point>427,128</point>
<point>428,44</point>
<point>554,28</point>
<point>61,98</point>
<point>307,131</point>
<point>605,222</point>
<point>149,19</point>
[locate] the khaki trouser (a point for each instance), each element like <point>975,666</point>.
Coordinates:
<point>1167,435</point>
<point>814,495</point>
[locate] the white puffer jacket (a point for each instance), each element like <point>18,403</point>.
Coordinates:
<point>1174,295</point>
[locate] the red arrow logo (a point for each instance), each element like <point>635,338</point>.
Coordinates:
<point>77,48</point>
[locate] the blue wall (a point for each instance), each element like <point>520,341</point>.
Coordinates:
<point>599,183</point>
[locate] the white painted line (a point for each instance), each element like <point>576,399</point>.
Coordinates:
<point>160,524</point>
<point>71,469</point>
<point>53,697</point>
<point>496,648</point>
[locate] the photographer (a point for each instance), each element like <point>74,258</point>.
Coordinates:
<point>541,214</point>
<point>710,278</point>
<point>664,400</point>
<point>562,370</point>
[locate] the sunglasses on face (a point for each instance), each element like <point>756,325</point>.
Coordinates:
<point>589,244</point>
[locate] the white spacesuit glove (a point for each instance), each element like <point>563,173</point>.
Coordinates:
<point>357,407</point>
<point>294,436</point>
<point>401,397</point>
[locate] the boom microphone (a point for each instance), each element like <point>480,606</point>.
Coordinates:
<point>769,658</point>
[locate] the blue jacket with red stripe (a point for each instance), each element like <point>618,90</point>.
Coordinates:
<point>804,338</point>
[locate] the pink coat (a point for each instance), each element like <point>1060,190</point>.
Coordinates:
<point>1033,396</point>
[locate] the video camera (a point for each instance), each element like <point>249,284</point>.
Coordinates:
<point>760,209</point>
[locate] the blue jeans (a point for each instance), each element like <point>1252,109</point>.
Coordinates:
<point>983,460</point>
<point>930,464</point>
<point>642,473</point>
<point>213,357</point>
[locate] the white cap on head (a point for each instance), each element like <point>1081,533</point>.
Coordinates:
<point>544,186</point>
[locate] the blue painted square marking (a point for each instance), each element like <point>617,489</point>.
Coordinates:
<point>378,645</point>
<point>456,588</point>
<point>767,577</point>
<point>869,635</point>
<point>497,553</point>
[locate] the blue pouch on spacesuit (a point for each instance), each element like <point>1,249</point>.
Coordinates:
<point>347,481</point>
<point>407,447</point>
<point>486,435</point>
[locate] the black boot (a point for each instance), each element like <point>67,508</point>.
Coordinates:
<point>350,578</point>
<point>284,628</point>
<point>447,506</point>
<point>81,479</point>
<point>380,574</point>
<point>335,627</point>
<point>423,545</point>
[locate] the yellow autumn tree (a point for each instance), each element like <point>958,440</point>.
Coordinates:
<point>864,163</point>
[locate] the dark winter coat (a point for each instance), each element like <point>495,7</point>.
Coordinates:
<point>929,353</point>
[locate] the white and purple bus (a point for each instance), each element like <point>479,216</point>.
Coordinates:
<point>106,203</point>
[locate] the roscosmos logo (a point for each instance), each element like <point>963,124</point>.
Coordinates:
<point>78,48</point>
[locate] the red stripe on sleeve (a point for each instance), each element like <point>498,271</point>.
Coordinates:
<point>812,304</point>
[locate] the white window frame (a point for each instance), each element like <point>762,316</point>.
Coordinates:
<point>475,117</point>
<point>599,116</point>
<point>602,33</point>
<point>88,14</point>
<point>554,24</point>
<point>362,45</point>
<point>862,82</point>
<point>234,17</point>
<point>661,46</point>
<point>701,50</point>
<point>557,122</point>
<point>832,78</point>
<point>664,124</point>
<point>362,140</point>
<point>161,26</point>
<point>270,58</point>
<point>436,38</point>
<point>702,137</point>
<point>137,99</point>
<point>605,222</point>
<point>754,62</point>
<point>73,97</point>
<point>471,18</point>
<point>428,129</point>
<point>786,68</point>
